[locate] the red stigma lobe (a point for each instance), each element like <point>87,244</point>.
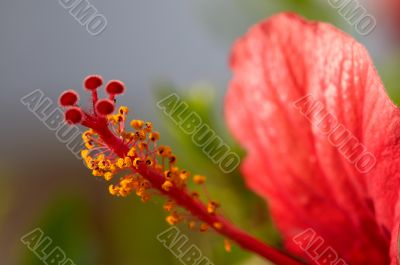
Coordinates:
<point>68,98</point>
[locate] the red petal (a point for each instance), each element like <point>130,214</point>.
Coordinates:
<point>306,180</point>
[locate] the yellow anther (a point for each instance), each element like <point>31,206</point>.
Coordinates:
<point>100,157</point>
<point>113,190</point>
<point>86,135</point>
<point>149,162</point>
<point>120,163</point>
<point>123,192</point>
<point>123,110</point>
<point>127,135</point>
<point>173,219</point>
<point>97,173</point>
<point>104,164</point>
<point>119,118</point>
<point>198,179</point>
<point>137,124</point>
<point>145,184</point>
<point>145,197</point>
<point>113,168</point>
<point>164,151</point>
<point>84,153</point>
<point>111,118</point>
<point>89,162</point>
<point>169,174</point>
<point>167,185</point>
<point>89,144</point>
<point>137,162</point>
<point>126,183</point>
<point>143,146</point>
<point>127,161</point>
<point>172,159</point>
<point>87,132</point>
<point>139,135</point>
<point>108,176</point>
<point>140,192</point>
<point>203,227</point>
<point>212,207</point>
<point>184,175</point>
<point>169,206</point>
<point>192,225</point>
<point>148,126</point>
<point>132,152</point>
<point>227,245</point>
<point>217,225</point>
<point>154,136</point>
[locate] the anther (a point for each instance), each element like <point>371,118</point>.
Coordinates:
<point>198,179</point>
<point>148,126</point>
<point>154,136</point>
<point>227,245</point>
<point>167,185</point>
<point>203,227</point>
<point>217,225</point>
<point>212,207</point>
<point>137,162</point>
<point>137,124</point>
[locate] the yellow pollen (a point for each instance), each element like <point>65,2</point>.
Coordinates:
<point>148,126</point>
<point>149,162</point>
<point>192,225</point>
<point>154,136</point>
<point>113,190</point>
<point>173,219</point>
<point>172,159</point>
<point>132,152</point>
<point>198,179</point>
<point>184,175</point>
<point>217,225</point>
<point>145,197</point>
<point>89,144</point>
<point>139,135</point>
<point>164,151</point>
<point>84,153</point>
<point>136,162</point>
<point>108,176</point>
<point>169,206</point>
<point>203,227</point>
<point>97,173</point>
<point>120,163</point>
<point>212,207</point>
<point>167,185</point>
<point>123,110</point>
<point>137,124</point>
<point>143,146</point>
<point>127,161</point>
<point>227,245</point>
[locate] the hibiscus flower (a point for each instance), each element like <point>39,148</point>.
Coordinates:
<point>286,72</point>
